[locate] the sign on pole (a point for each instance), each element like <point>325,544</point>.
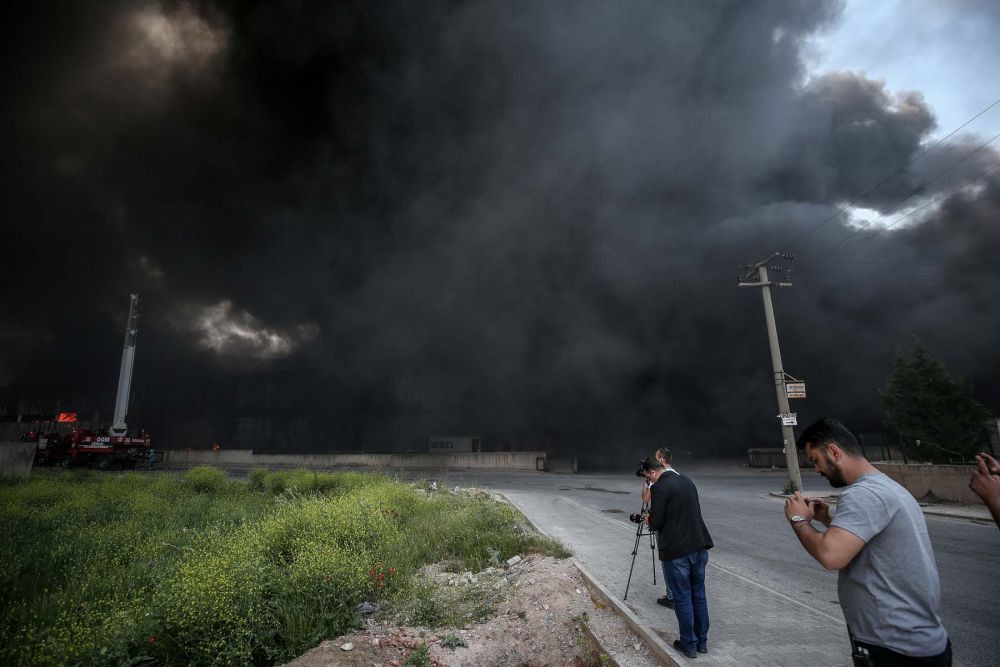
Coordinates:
<point>788,419</point>
<point>796,389</point>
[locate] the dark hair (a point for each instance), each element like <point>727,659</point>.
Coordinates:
<point>652,465</point>
<point>664,453</point>
<point>828,432</point>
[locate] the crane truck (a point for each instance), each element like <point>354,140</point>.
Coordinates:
<point>106,448</point>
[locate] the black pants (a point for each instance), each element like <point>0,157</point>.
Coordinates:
<point>883,657</point>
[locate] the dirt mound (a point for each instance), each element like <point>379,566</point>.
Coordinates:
<point>539,607</point>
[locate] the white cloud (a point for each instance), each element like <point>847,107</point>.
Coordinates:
<point>181,38</point>
<point>228,331</point>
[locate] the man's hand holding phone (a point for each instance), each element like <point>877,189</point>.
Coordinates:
<point>821,510</point>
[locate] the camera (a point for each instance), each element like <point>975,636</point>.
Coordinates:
<point>638,517</point>
<point>639,472</point>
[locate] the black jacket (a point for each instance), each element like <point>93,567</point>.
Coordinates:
<point>675,513</point>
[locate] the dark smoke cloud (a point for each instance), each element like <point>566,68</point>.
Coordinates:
<point>366,222</point>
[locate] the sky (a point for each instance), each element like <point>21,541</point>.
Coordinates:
<point>356,225</point>
<point>945,50</point>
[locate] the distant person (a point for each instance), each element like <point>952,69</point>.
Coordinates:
<point>985,483</point>
<point>683,543</point>
<point>664,456</point>
<point>888,583</point>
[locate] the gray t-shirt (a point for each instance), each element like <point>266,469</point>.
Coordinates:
<point>890,592</point>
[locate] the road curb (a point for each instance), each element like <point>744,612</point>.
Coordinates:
<point>607,660</point>
<point>945,512</point>
<point>521,510</point>
<point>659,648</point>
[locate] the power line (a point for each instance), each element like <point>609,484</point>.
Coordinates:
<point>918,265</point>
<point>944,270</point>
<point>908,279</point>
<point>862,261</point>
<point>830,250</point>
<point>809,233</point>
<point>934,201</point>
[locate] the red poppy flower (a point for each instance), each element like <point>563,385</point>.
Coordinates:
<point>152,639</point>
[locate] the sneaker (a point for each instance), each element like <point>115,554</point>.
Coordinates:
<point>665,602</point>
<point>684,651</point>
<point>702,649</point>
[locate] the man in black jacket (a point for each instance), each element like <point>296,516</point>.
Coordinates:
<point>675,514</point>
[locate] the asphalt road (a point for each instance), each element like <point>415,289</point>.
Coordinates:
<point>753,540</point>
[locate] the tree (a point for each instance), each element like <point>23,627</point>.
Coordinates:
<point>924,402</point>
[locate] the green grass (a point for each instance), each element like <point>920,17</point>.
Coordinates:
<point>101,569</point>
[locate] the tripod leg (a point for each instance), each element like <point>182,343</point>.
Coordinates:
<point>635,550</point>
<point>652,546</point>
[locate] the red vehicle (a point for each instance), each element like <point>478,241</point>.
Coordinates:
<point>110,447</point>
<point>87,448</point>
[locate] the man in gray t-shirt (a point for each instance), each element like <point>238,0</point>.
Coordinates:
<point>888,582</point>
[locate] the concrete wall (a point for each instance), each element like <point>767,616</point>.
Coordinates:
<point>209,457</point>
<point>476,460</point>
<point>16,458</point>
<point>560,465</point>
<point>948,482</point>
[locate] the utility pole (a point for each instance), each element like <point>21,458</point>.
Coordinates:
<point>756,276</point>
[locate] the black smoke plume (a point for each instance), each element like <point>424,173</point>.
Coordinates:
<point>357,224</point>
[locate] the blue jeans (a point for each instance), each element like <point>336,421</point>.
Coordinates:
<point>670,594</point>
<point>686,578</point>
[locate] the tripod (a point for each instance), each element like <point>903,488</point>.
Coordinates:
<point>635,549</point>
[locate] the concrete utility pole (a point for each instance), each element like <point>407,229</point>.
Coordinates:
<point>756,276</point>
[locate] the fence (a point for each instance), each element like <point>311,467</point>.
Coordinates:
<point>875,446</point>
<point>771,457</point>
<point>882,447</point>
<point>459,461</point>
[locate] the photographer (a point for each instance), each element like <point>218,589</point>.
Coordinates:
<point>887,581</point>
<point>683,542</point>
<point>664,456</point>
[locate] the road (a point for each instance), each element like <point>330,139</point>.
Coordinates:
<point>756,555</point>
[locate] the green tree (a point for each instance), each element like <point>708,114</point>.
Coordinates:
<point>923,401</point>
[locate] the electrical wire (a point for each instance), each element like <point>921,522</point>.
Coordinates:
<point>899,281</point>
<point>810,232</point>
<point>831,249</point>
<point>896,222</point>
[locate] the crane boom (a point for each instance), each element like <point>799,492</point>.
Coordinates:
<point>128,360</point>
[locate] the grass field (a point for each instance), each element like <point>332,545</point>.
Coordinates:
<point>105,569</point>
